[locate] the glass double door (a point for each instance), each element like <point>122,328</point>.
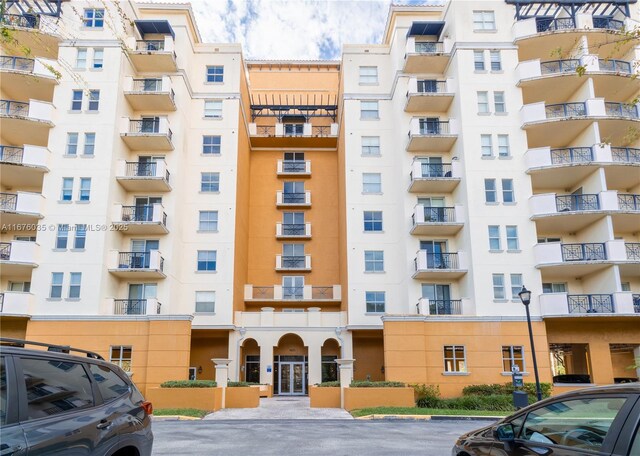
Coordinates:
<point>292,375</point>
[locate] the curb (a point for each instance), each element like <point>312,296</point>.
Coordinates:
<point>430,417</point>
<point>174,418</point>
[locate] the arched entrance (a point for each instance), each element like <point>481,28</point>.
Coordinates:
<point>250,361</point>
<point>291,366</point>
<point>330,352</point>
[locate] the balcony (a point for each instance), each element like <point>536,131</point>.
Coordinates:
<point>150,94</point>
<point>440,307</point>
<point>18,258</point>
<point>37,33</point>
<point>636,303</point>
<point>580,305</point>
<point>23,166</point>
<point>300,263</point>
<point>426,56</point>
<point>26,123</point>
<point>305,293</point>
<point>576,260</point>
<point>312,317</point>
<point>145,219</point>
<point>294,168</point>
<point>143,176</point>
<point>561,213</point>
<point>137,265</point>
<point>298,135</point>
<point>628,155</point>
<point>157,55</point>
<point>24,78</point>
<point>20,207</point>
<point>147,134</point>
<point>439,265</point>
<point>434,177</point>
<point>429,96</point>
<point>302,199</point>
<point>438,221</point>
<point>428,135</point>
<point>15,303</point>
<point>293,230</point>
<point>149,306</point>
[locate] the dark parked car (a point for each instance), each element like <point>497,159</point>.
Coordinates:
<point>594,421</point>
<point>55,403</point>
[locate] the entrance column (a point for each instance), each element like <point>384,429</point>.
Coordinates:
<point>222,375</point>
<point>266,362</point>
<point>346,376</point>
<point>315,363</point>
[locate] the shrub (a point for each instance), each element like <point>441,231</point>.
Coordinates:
<point>188,384</point>
<point>496,402</point>
<point>426,396</point>
<point>328,384</point>
<point>240,384</point>
<point>365,384</point>
<point>506,388</point>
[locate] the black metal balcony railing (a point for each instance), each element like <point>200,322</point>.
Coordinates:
<point>608,23</point>
<point>294,198</point>
<point>559,66</point>
<point>625,154</point>
<point>621,110</point>
<point>136,260</point>
<point>151,127</point>
<point>11,154</point>
<point>439,214</point>
<point>321,131</point>
<point>430,170</point>
<point>430,86</point>
<point>130,306</point>
<point>429,47</point>
<point>445,307</point>
<point>590,303</point>
<point>5,251</point>
<point>292,166</point>
<point>262,293</point>
<point>633,250</point>
<point>150,45</point>
<point>565,110</point>
<point>147,85</point>
<point>265,130</point>
<point>8,201</point>
<point>441,261</point>
<point>550,25</point>
<point>636,302</point>
<point>21,20</point>
<point>144,169</point>
<point>565,203</point>
<point>294,229</point>
<point>319,292</point>
<point>629,202</point>
<point>14,108</point>
<point>293,262</point>
<point>616,66</point>
<point>571,155</point>
<point>430,127</point>
<point>16,63</point>
<point>594,251</point>
<point>137,213</point>
<point>292,292</point>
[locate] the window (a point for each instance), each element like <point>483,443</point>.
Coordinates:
<point>72,144</point>
<point>483,102</point>
<point>89,143</point>
<point>371,145</point>
<point>62,236</point>
<point>213,109</point>
<point>56,285</point>
<point>211,145</point>
<point>516,285</point>
<point>207,260</point>
<point>80,238</point>
<point>208,221</point>
<point>494,237</point>
<point>209,182</point>
<point>375,301</point>
<point>329,368</point>
<point>496,61</point>
<point>486,145</point>
<point>24,287</point>
<point>121,356</point>
<point>98,58</point>
<point>507,191</point>
<point>490,194</point>
<point>557,287</point>
<point>94,100</point>
<point>206,301</point>
<point>81,58</point>
<point>85,189</point>
<point>478,60</point>
<point>503,146</point>
<point>67,189</point>
<point>215,74</point>
<point>368,75</point>
<point>512,237</point>
<point>373,220</point>
<point>76,100</point>
<point>74,285</point>
<point>374,261</point>
<point>371,183</point>
<point>111,386</point>
<point>625,286</point>
<point>455,359</point>
<point>484,20</point>
<point>498,286</point>
<point>498,102</point>
<point>369,110</point>
<point>512,355</point>
<point>93,17</point>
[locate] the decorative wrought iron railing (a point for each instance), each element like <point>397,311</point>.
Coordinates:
<point>636,302</point>
<point>130,306</point>
<point>445,307</point>
<point>265,130</point>
<point>5,251</point>
<point>559,66</point>
<point>550,25</point>
<point>294,229</point>
<point>14,108</point>
<point>628,202</point>
<point>625,154</point>
<point>150,45</point>
<point>590,303</point>
<point>19,20</point>
<point>433,170</point>
<point>320,292</point>
<point>616,66</point>
<point>431,86</point>
<point>621,110</point>
<point>633,250</point>
<point>262,293</point>
<point>608,23</point>
<point>577,109</point>
<point>429,47</point>
<point>431,127</point>
<point>11,154</point>
<point>16,63</point>
<point>293,166</point>
<point>8,201</point>
<point>151,127</point>
<point>571,155</point>
<point>294,198</point>
<point>293,262</point>
<point>585,202</point>
<point>321,131</point>
<point>136,260</point>
<point>439,214</point>
<point>441,261</point>
<point>143,213</point>
<point>594,251</point>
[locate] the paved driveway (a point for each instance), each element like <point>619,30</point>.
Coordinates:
<point>282,408</point>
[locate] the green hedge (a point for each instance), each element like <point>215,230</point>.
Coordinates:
<point>506,388</point>
<point>366,384</point>
<point>188,384</point>
<point>240,384</point>
<point>328,384</point>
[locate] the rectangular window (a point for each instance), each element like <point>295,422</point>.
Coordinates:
<point>56,285</point>
<point>516,285</point>
<point>207,260</point>
<point>368,75</point>
<point>76,100</point>
<point>503,146</point>
<point>62,236</point>
<point>558,287</point>
<point>374,261</point>
<point>483,102</point>
<point>81,58</point>
<point>89,143</point>
<point>486,145</point>
<point>371,183</point>
<point>369,110</point>
<point>72,144</point>
<point>80,238</point>
<point>496,61</point>
<point>85,189</point>
<point>484,20</point>
<point>121,356</point>
<point>512,355</point>
<point>213,109</point>
<point>206,301</point>
<point>490,194</point>
<point>478,60</point>
<point>507,191</point>
<point>371,145</point>
<point>512,237</point>
<point>24,287</point>
<point>98,58</point>
<point>74,284</point>
<point>494,237</point>
<point>67,189</point>
<point>498,102</point>
<point>215,74</point>
<point>211,145</point>
<point>93,17</point>
<point>94,100</point>
<point>375,301</point>
<point>210,182</point>
<point>208,221</point>
<point>373,220</point>
<point>455,359</point>
<point>498,286</point>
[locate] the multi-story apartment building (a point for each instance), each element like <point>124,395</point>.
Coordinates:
<point>166,203</point>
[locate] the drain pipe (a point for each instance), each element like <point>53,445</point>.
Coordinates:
<point>243,332</point>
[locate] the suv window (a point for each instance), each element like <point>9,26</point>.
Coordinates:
<point>3,392</point>
<point>110,384</point>
<point>55,387</point>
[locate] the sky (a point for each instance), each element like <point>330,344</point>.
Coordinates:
<point>292,29</point>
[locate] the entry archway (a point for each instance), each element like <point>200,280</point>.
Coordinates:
<point>291,366</point>
<point>250,361</point>
<point>330,352</point>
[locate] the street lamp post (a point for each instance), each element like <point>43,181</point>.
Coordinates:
<point>525,297</point>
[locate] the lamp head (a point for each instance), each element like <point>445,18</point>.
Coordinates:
<point>525,296</point>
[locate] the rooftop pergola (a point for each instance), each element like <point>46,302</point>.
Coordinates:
<point>526,9</point>
<point>34,7</point>
<point>293,106</point>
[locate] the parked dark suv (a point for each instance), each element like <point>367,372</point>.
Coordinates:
<point>54,403</point>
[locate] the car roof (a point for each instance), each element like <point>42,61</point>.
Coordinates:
<point>620,388</point>
<point>10,349</point>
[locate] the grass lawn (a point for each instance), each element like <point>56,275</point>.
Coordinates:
<point>181,411</point>
<point>423,411</point>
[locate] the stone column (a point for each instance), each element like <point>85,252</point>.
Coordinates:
<point>346,376</point>
<point>222,375</point>
<point>266,362</point>
<point>315,364</point>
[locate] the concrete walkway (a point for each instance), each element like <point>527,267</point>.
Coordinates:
<point>281,408</point>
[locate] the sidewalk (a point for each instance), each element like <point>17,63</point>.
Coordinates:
<point>281,408</point>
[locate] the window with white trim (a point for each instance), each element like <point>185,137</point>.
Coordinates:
<point>455,359</point>
<point>94,100</point>
<point>93,17</point>
<point>206,301</point>
<point>512,355</point>
<point>494,237</point>
<point>72,144</point>
<point>80,236</point>
<point>121,355</point>
<point>207,260</point>
<point>371,183</point>
<point>76,100</point>
<point>499,105</point>
<point>490,193</point>
<point>516,285</point>
<point>374,261</point>
<point>486,145</point>
<point>213,109</point>
<point>478,61</point>
<point>208,221</point>
<point>483,102</point>
<point>508,195</point>
<point>89,144</point>
<point>369,110</point>
<point>98,58</point>
<point>215,73</point>
<point>56,285</point>
<point>371,145</point>
<point>498,286</point>
<point>85,189</point>
<point>211,144</point>
<point>62,236</point>
<point>484,20</point>
<point>369,75</point>
<point>375,301</point>
<point>512,237</point>
<point>209,182</point>
<point>75,279</point>
<point>372,221</point>
<point>496,60</point>
<point>504,150</point>
<point>67,189</point>
<point>81,58</point>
